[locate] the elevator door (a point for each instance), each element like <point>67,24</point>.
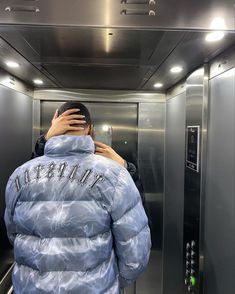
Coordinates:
<point>122,117</point>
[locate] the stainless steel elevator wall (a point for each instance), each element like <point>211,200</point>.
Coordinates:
<point>15,149</point>
<point>220,187</point>
<point>151,163</point>
<point>151,134</point>
<point>174,194</point>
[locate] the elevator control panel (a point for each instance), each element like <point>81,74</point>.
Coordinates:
<point>192,205</point>
<point>192,150</point>
<point>191,269</point>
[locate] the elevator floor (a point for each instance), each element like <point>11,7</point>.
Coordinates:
<point>150,282</point>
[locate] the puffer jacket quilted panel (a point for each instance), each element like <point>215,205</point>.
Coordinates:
<point>76,220</point>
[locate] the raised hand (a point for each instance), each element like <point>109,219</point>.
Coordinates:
<point>107,151</point>
<point>64,123</point>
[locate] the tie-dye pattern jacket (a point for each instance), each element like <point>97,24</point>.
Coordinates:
<point>76,221</point>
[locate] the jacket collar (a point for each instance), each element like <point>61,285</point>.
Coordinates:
<point>68,145</point>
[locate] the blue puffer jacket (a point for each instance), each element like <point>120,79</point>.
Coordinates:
<point>76,220</point>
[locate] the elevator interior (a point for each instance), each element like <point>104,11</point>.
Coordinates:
<point>119,66</point>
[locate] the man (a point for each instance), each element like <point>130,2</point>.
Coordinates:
<point>61,124</point>
<point>75,218</point>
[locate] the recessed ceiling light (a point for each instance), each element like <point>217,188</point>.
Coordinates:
<point>12,64</point>
<point>218,23</point>
<point>214,36</point>
<point>38,82</point>
<point>176,69</point>
<point>158,85</point>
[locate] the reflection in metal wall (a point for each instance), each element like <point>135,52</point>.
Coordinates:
<point>174,195</point>
<point>220,187</point>
<point>15,149</point>
<point>151,162</point>
<point>151,165</point>
<point>121,116</point>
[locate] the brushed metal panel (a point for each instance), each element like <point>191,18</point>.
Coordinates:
<point>191,52</point>
<point>196,115</point>
<point>151,163</point>
<point>151,134</point>
<point>36,121</point>
<point>15,149</point>
<point>14,83</point>
<point>99,95</point>
<point>176,90</point>
<point>174,195</point>
<point>220,187</point>
<point>223,62</point>
<point>120,77</point>
<point>26,71</point>
<point>84,44</point>
<point>121,116</point>
<point>102,13</point>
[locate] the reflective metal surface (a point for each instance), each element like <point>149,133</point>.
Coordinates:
<point>174,195</point>
<point>99,95</point>
<point>223,62</point>
<point>9,81</point>
<point>151,164</point>
<point>176,90</point>
<point>36,121</point>
<point>15,149</point>
<point>196,116</point>
<point>101,58</point>
<point>220,188</point>
<point>25,71</point>
<point>102,13</point>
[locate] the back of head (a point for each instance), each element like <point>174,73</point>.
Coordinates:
<point>76,105</point>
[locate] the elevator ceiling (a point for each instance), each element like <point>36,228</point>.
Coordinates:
<point>111,44</point>
<point>105,58</point>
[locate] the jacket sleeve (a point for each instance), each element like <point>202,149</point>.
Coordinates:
<point>130,230</point>
<point>11,197</point>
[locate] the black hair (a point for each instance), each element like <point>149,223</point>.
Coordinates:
<point>76,105</point>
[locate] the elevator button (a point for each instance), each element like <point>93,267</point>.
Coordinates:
<point>187,246</point>
<point>192,281</point>
<point>186,281</point>
<point>187,273</point>
<point>192,262</point>
<point>187,264</point>
<point>189,288</point>
<point>193,253</point>
<point>192,271</point>
<point>193,243</point>
<point>187,255</point>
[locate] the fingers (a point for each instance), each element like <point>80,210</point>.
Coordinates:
<point>70,111</point>
<point>99,149</point>
<point>70,128</point>
<point>75,116</point>
<point>102,154</point>
<point>99,144</point>
<point>76,122</point>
